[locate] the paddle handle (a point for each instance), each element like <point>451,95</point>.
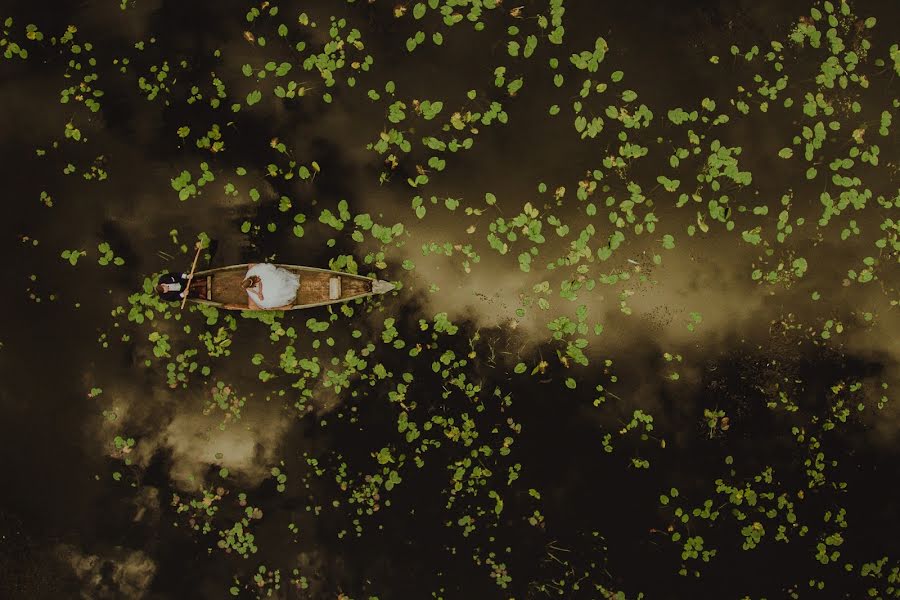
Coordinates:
<point>187,286</point>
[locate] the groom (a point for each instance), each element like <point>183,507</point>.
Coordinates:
<point>173,287</point>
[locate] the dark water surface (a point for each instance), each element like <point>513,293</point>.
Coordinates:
<point>69,529</point>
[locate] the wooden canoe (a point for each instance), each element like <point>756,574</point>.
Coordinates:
<point>318,287</point>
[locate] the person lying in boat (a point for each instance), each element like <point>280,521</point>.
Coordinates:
<point>270,288</point>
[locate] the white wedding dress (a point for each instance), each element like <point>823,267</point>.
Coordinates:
<point>279,286</point>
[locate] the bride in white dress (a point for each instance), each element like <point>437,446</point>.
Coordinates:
<point>270,287</point>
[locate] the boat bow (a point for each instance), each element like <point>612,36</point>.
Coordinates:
<point>379,286</point>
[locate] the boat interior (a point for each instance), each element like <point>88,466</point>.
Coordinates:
<point>315,287</point>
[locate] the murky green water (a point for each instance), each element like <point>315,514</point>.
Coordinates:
<point>644,337</point>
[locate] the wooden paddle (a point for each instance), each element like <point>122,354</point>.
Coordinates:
<point>187,287</point>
